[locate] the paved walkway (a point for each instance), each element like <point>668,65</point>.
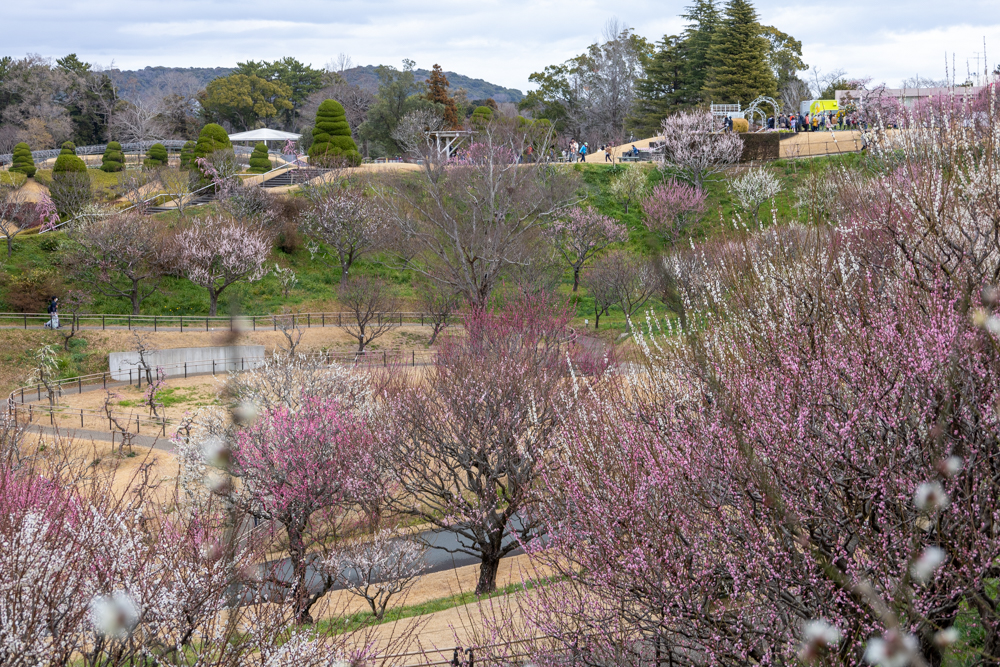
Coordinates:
<point>154,441</point>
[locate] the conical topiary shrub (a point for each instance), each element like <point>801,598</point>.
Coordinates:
<point>70,189</point>
<point>156,156</point>
<point>332,143</point>
<point>187,156</point>
<point>113,159</point>
<point>23,162</point>
<point>259,162</point>
<point>212,138</point>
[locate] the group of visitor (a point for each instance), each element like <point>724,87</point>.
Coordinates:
<point>577,151</point>
<point>817,122</point>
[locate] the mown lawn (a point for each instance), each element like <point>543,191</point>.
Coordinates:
<point>48,254</point>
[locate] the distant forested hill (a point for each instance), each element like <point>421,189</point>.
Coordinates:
<point>476,89</point>
<point>154,82</point>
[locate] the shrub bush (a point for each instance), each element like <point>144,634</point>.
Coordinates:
<point>259,162</point>
<point>68,163</point>
<point>482,116</point>
<point>68,148</point>
<point>30,291</point>
<point>187,156</point>
<point>741,125</point>
<point>156,156</point>
<point>113,159</point>
<point>332,142</point>
<point>23,162</point>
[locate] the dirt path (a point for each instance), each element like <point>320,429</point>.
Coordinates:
<point>33,190</point>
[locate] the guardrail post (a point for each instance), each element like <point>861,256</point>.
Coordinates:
<point>154,323</point>
<point>308,320</point>
<point>79,385</point>
<point>206,324</point>
<point>230,322</point>
<point>185,370</point>
<point>104,378</point>
<point>130,322</point>
<point>242,365</point>
<point>102,322</point>
<point>213,366</point>
<point>254,319</point>
<point>81,418</point>
<point>130,376</point>
<point>137,424</point>
<point>182,324</point>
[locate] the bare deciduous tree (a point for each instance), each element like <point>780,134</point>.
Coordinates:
<point>438,304</point>
<point>368,301</point>
<point>122,256</point>
<point>378,567</point>
<point>623,279</point>
<point>473,220</point>
<point>136,122</point>
<point>466,444</point>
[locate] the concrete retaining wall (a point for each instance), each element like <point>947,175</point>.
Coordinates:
<point>176,361</point>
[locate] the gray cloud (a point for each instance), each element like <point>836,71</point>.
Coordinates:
<point>502,42</point>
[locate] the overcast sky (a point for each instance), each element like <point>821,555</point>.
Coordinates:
<point>501,41</point>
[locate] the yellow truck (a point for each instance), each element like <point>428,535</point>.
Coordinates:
<point>818,106</point>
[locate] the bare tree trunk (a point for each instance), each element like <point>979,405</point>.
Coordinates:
<point>488,570</point>
<point>213,302</point>
<point>297,554</point>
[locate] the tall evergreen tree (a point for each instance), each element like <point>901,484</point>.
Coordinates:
<point>738,69</point>
<point>661,91</point>
<point>699,36</point>
<point>437,92</point>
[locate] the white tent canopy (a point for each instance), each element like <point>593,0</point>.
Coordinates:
<point>264,134</point>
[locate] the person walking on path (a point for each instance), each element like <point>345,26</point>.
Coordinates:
<point>53,322</point>
<point>583,152</point>
<point>607,155</point>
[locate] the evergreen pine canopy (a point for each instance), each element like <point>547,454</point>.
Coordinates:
<point>113,159</point>
<point>332,142</point>
<point>23,163</point>
<point>259,162</point>
<point>737,60</point>
<point>437,92</point>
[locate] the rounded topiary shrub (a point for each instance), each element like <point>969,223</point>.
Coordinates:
<point>187,155</point>
<point>23,162</point>
<point>69,163</point>
<point>68,148</point>
<point>113,159</point>
<point>332,143</point>
<point>259,162</point>
<point>481,116</point>
<point>156,156</point>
